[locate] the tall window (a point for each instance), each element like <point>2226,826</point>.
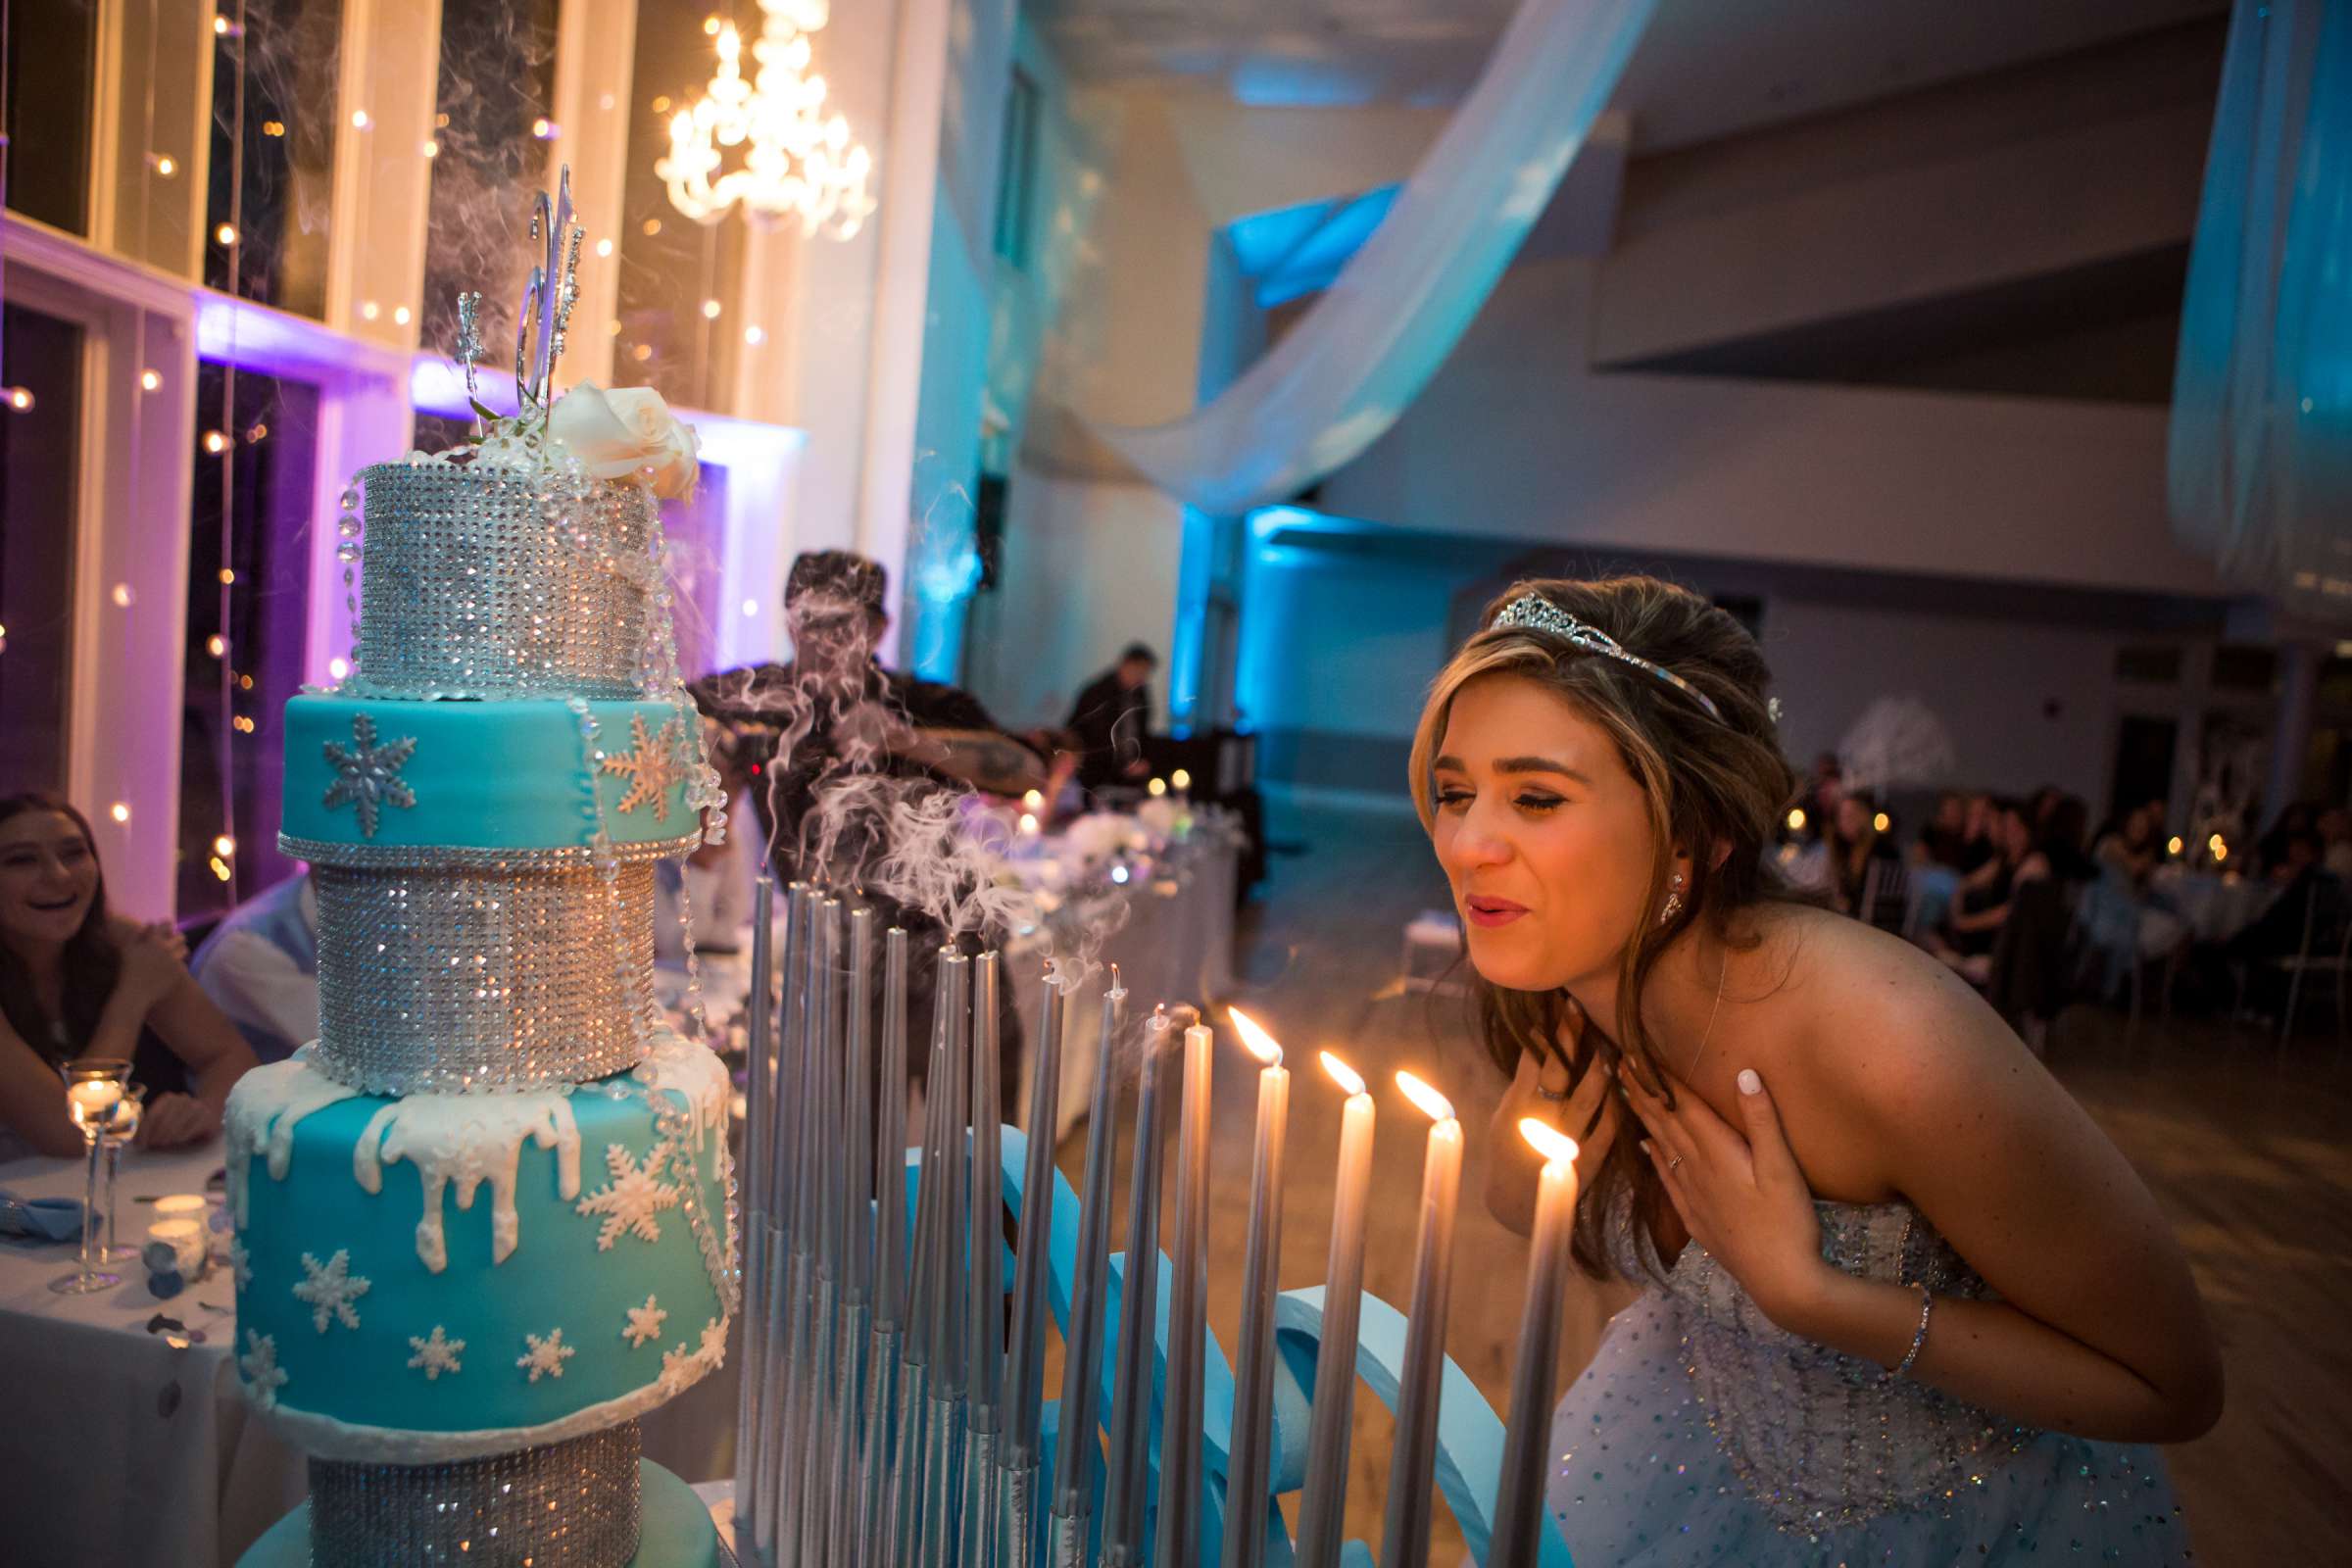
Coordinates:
<point>275,118</point>
<point>51,48</point>
<point>256,452</point>
<point>1016,169</point>
<point>491,147</point>
<point>675,273</point>
<point>41,441</point>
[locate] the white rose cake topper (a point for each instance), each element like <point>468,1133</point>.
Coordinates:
<point>627,430</point>
<point>611,432</point>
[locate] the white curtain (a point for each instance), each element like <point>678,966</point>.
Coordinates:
<point>2260,467</point>
<point>1344,372</point>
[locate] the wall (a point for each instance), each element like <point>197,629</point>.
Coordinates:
<point>1515,436</point>
<point>1088,567</point>
<point>1931,194</point>
<point>1341,642</point>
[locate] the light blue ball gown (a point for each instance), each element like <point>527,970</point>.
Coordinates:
<point>1702,1432</point>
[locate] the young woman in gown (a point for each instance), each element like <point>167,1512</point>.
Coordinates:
<point>1901,1300</point>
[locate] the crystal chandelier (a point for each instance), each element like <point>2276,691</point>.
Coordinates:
<point>766,143</point>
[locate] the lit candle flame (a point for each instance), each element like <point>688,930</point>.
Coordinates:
<point>1345,1076</point>
<point>1555,1145</point>
<point>1431,1103</point>
<point>1262,1045</point>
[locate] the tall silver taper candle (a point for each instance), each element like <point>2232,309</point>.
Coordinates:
<point>1526,1439</point>
<point>757,1112</point>
<point>1246,1478</point>
<point>1179,1534</point>
<point>890,1259</point>
<point>1406,1514</point>
<point>1026,1355</point>
<point>984,1318</point>
<point>856,1269</point>
<point>1078,1444</point>
<point>1128,1462</point>
<point>1323,1504</point>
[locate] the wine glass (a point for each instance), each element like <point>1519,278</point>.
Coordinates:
<point>117,1132</point>
<point>94,1087</point>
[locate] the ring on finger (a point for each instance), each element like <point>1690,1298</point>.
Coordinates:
<point>1673,1160</point>
<point>1555,1096</point>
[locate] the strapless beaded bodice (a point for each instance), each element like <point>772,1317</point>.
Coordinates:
<point>1824,1438</point>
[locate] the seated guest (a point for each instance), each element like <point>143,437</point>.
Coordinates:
<point>2277,932</point>
<point>802,735</point>
<point>1110,718</point>
<point>2335,841</point>
<point>1854,841</point>
<point>1944,839</point>
<point>2130,848</point>
<point>77,982</point>
<point>2273,847</point>
<point>1974,923</point>
<point>2062,839</point>
<point>260,967</point>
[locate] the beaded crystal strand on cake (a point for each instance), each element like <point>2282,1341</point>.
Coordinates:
<point>481,801</point>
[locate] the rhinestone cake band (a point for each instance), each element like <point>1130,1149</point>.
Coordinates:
<point>573,1504</point>
<point>431,857</point>
<point>483,581</point>
<point>464,979</point>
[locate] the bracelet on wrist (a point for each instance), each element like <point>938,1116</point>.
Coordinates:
<point>1919,1338</point>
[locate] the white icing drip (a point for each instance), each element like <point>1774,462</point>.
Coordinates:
<point>469,1139</point>
<point>263,1111</point>
<point>697,1076</point>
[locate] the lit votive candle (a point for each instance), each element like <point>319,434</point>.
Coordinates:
<point>186,1238</point>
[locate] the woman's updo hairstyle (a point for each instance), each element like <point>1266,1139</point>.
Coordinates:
<point>1715,782</point>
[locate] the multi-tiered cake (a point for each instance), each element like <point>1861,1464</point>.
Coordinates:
<point>483,1222</point>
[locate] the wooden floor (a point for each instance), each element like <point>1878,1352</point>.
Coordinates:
<point>2244,1147</point>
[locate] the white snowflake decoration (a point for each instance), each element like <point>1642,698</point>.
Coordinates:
<point>330,1288</point>
<point>713,1350</point>
<point>633,1197</point>
<point>240,1261</point>
<point>679,1366</point>
<point>645,1323</point>
<point>436,1354</point>
<point>652,767</point>
<point>262,1370</point>
<point>546,1356</point>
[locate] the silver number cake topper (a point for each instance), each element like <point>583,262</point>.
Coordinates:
<point>548,298</point>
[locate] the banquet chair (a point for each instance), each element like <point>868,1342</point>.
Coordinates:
<point>2325,950</point>
<point>1890,901</point>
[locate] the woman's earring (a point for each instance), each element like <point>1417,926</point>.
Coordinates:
<point>1674,901</point>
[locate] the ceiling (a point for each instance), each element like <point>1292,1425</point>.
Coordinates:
<point>1705,68</point>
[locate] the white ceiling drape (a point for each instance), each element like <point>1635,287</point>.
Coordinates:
<point>1343,373</point>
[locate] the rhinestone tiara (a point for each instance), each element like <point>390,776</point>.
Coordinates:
<point>1534,612</point>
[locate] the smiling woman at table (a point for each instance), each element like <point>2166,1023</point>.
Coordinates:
<point>77,982</point>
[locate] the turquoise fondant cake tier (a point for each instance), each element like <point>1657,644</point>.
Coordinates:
<point>384,775</point>
<point>446,1276</point>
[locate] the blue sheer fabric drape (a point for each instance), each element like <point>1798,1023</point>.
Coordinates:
<point>2260,468</point>
<point>1343,373</point>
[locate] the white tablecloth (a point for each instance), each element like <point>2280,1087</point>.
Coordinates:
<point>98,1471</point>
<point>103,1463</point>
<point>2216,906</point>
